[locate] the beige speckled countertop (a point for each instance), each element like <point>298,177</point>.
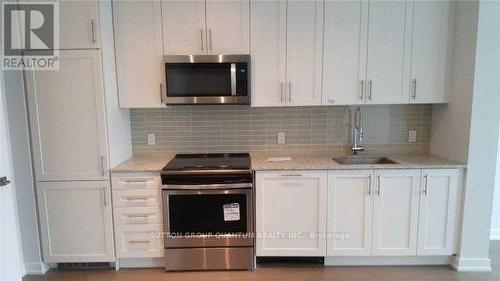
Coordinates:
<point>300,162</point>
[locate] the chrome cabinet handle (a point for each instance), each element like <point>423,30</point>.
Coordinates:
<point>210,39</point>
<point>162,95</point>
<point>292,175</point>
<point>370,186</point>
<point>414,89</point>
<point>378,185</point>
<point>105,198</point>
<point>370,89</point>
<point>103,173</point>
<point>289,91</point>
<point>425,185</point>
<point>137,216</point>
<point>362,83</point>
<point>138,241</point>
<point>281,91</point>
<point>92,31</point>
<point>134,198</point>
<point>201,37</point>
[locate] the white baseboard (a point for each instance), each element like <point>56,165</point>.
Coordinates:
<point>36,268</point>
<point>495,234</point>
<point>363,261</point>
<point>478,265</point>
<point>140,263</point>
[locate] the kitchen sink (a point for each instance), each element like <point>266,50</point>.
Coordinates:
<point>363,160</point>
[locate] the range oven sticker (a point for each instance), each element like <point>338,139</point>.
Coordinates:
<point>231,212</point>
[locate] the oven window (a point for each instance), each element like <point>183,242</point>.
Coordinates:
<point>215,214</point>
<point>198,79</point>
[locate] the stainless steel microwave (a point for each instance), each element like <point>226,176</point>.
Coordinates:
<point>207,79</point>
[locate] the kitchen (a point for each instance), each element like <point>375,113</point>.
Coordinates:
<point>181,135</point>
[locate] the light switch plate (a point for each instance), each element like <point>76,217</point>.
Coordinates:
<point>151,139</point>
<point>281,138</point>
<point>412,135</point>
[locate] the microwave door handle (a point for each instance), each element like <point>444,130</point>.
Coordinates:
<point>233,79</point>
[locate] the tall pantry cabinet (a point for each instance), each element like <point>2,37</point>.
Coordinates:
<point>69,144</point>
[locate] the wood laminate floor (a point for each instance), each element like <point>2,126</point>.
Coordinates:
<point>287,273</point>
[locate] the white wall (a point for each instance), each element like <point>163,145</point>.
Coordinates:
<point>495,214</point>
<point>483,143</point>
<point>23,173</point>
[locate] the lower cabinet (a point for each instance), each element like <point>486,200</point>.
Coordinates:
<point>391,212</point>
<point>290,213</point>
<point>438,200</point>
<point>75,221</point>
<point>137,215</point>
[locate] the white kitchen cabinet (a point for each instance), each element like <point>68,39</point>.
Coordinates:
<point>268,51</point>
<point>437,212</point>
<point>139,52</point>
<point>291,205</point>
<point>395,212</point>
<point>68,120</point>
<point>304,48</point>
<point>349,213</point>
<point>429,51</point>
<point>228,26</point>
<point>79,27</point>
<point>344,61</point>
<point>206,27</point>
<point>75,221</point>
<point>184,29</point>
<point>387,59</point>
<point>139,241</point>
<point>286,50</point>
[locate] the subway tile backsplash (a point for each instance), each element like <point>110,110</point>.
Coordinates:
<point>312,129</point>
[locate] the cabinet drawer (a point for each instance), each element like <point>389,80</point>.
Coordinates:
<point>136,198</point>
<point>137,216</point>
<point>136,181</point>
<point>139,241</point>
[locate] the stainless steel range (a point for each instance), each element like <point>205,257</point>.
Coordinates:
<point>208,212</point>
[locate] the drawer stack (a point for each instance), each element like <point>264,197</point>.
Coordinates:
<point>137,215</point>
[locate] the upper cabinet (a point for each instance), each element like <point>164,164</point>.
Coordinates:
<point>286,50</point>
<point>429,46</point>
<point>80,29</point>
<point>206,27</point>
<point>395,53</point>
<point>68,120</point>
<point>139,52</point>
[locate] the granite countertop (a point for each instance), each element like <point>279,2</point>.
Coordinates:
<point>155,163</point>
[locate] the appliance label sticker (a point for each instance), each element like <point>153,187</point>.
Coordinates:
<point>231,212</point>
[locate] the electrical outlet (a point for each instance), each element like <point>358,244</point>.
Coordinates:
<point>151,139</point>
<point>281,138</point>
<point>412,135</point>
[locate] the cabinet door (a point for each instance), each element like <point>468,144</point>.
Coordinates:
<point>438,199</point>
<point>290,213</point>
<point>349,215</point>
<point>387,60</point>
<point>67,119</point>
<point>228,26</point>
<point>304,43</point>
<point>395,213</point>
<point>75,221</point>
<point>79,28</point>
<point>139,52</point>
<point>344,62</point>
<point>184,30</point>
<point>268,39</point>
<point>429,51</point>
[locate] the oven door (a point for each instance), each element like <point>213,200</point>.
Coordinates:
<point>207,79</point>
<point>208,218</point>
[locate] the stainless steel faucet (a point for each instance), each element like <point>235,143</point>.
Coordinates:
<point>357,134</point>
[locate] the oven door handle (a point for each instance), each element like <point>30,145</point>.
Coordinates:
<point>207,186</point>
